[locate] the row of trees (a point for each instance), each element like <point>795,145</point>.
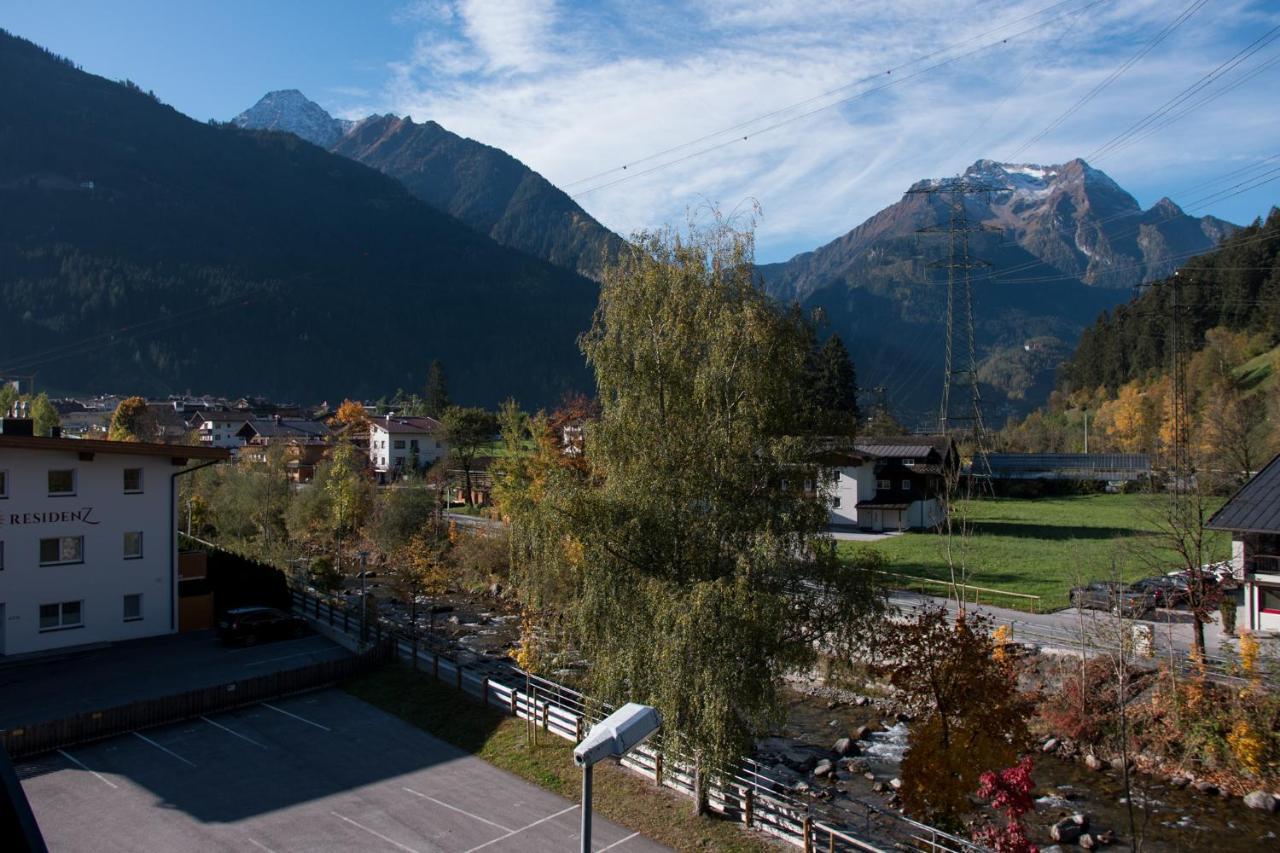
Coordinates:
<point>38,408</point>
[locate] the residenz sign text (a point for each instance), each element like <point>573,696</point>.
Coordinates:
<point>84,515</point>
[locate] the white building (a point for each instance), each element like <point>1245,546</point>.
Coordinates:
<point>892,483</point>
<point>397,444</point>
<point>88,550</point>
<point>220,429</point>
<point>1252,515</point>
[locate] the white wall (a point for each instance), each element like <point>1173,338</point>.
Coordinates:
<point>101,512</point>
<point>384,456</point>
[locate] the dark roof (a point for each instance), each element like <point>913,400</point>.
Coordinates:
<point>1255,508</point>
<point>903,446</point>
<point>1069,462</point>
<point>413,425</point>
<point>286,428</point>
<point>132,448</point>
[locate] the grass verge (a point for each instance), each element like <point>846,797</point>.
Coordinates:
<point>618,794</point>
<point>1044,546</point>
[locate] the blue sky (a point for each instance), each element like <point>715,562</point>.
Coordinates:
<point>578,89</point>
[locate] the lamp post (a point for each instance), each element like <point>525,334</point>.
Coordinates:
<point>364,605</point>
<point>612,737</point>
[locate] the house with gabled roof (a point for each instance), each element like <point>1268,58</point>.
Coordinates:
<point>1252,515</point>
<point>881,483</point>
<point>398,444</point>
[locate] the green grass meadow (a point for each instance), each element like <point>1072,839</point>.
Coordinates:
<point>1044,546</point>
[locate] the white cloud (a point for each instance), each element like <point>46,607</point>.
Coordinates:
<point>579,90</point>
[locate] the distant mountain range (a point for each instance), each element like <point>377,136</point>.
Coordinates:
<point>483,186</point>
<point>147,252</point>
<point>154,253</point>
<point>1063,243</point>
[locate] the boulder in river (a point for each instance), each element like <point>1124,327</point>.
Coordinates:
<point>1263,800</point>
<point>1118,764</point>
<point>1069,829</point>
<point>823,768</point>
<point>844,746</point>
<point>1093,762</point>
<point>1050,745</point>
<point>1179,782</point>
<point>1206,787</point>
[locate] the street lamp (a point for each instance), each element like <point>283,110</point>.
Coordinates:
<point>364,605</point>
<point>612,737</point>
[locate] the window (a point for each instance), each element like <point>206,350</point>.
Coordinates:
<point>55,617</point>
<point>909,462</point>
<point>835,502</point>
<point>1,558</point>
<point>413,444</point>
<point>133,607</point>
<point>62,483</point>
<point>132,481</point>
<point>133,545</point>
<point>61,550</point>
<point>1269,599</point>
<point>906,485</point>
<point>398,444</point>
<point>4,484</point>
<point>884,484</point>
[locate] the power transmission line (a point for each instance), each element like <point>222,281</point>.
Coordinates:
<point>1195,88</point>
<point>632,175</point>
<point>815,98</point>
<point>1112,77</point>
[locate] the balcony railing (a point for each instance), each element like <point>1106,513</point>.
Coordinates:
<point>1265,564</point>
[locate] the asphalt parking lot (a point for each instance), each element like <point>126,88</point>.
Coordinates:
<point>319,772</point>
<point>90,680</point>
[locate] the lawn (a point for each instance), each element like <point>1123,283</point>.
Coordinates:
<point>1044,546</point>
<point>618,794</point>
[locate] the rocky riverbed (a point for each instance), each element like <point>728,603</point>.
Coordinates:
<point>822,723</point>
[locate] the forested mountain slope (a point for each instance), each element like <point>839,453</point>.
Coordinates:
<point>483,186</point>
<point>148,252</point>
<point>1117,386</point>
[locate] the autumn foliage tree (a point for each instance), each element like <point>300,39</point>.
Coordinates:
<point>1009,793</point>
<point>969,715</point>
<point>132,421</point>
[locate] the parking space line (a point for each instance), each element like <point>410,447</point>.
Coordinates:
<point>277,645</point>
<point>618,843</point>
<point>78,763</point>
<point>295,716</point>
<point>521,829</point>
<point>235,733</point>
<point>390,841</point>
<point>260,845</point>
<point>459,811</point>
<point>286,657</point>
<point>163,748</point>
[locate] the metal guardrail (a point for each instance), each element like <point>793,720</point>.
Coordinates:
<point>750,794</point>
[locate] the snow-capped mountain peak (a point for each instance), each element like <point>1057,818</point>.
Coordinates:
<point>293,112</point>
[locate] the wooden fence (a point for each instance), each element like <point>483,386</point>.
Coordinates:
<point>27,740</point>
<point>751,793</point>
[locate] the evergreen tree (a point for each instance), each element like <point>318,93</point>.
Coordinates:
<point>437,390</point>
<point>835,388</point>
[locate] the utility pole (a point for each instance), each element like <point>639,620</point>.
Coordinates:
<point>959,266</point>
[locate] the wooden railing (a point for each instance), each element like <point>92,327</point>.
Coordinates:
<point>1021,600</point>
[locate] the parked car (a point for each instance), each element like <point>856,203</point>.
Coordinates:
<point>1114,597</point>
<point>252,625</point>
<point>1165,591</point>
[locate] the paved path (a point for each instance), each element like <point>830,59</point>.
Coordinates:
<point>1173,628</point>
<point>319,772</point>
